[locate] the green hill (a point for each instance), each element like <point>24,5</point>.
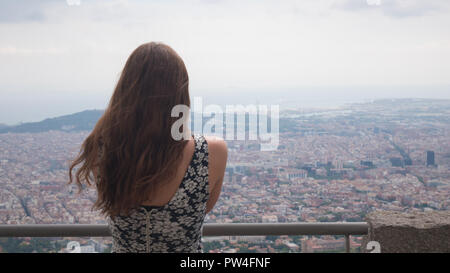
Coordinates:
<point>80,121</point>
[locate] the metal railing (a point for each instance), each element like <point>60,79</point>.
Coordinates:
<point>236,229</point>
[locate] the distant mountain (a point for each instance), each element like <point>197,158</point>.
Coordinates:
<point>86,120</point>
<point>81,121</point>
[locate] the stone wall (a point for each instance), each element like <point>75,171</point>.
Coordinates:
<point>416,232</point>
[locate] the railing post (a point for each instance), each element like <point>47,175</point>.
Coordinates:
<point>347,243</point>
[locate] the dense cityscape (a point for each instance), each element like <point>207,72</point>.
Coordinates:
<point>333,164</point>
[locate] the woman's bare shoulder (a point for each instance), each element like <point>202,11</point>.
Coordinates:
<point>218,155</point>
<point>217,145</point>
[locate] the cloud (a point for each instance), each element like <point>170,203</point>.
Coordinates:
<point>39,11</point>
<point>19,11</point>
<point>245,44</point>
<point>11,50</point>
<point>395,8</point>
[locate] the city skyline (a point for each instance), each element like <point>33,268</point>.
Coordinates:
<point>333,167</point>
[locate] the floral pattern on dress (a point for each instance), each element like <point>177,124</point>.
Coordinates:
<point>174,227</point>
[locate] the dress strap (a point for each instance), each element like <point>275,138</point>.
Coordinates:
<point>201,150</point>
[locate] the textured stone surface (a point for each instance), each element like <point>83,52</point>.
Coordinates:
<point>416,232</point>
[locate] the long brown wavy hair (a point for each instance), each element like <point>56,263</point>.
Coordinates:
<point>131,147</point>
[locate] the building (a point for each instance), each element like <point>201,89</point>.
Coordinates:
<point>396,162</point>
<point>291,174</point>
<point>430,158</point>
<point>269,219</point>
<point>366,163</point>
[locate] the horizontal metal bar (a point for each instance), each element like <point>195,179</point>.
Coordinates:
<point>353,228</point>
<point>55,230</point>
<point>235,229</point>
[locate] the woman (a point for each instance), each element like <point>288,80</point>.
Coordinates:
<point>154,190</point>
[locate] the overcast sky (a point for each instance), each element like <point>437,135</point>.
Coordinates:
<point>58,59</point>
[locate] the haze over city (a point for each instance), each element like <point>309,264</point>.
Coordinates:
<point>58,59</point>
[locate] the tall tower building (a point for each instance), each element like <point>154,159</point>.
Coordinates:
<point>430,158</point>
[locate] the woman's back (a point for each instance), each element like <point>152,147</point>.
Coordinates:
<point>174,227</point>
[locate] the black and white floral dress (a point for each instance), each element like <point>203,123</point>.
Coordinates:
<point>175,227</point>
